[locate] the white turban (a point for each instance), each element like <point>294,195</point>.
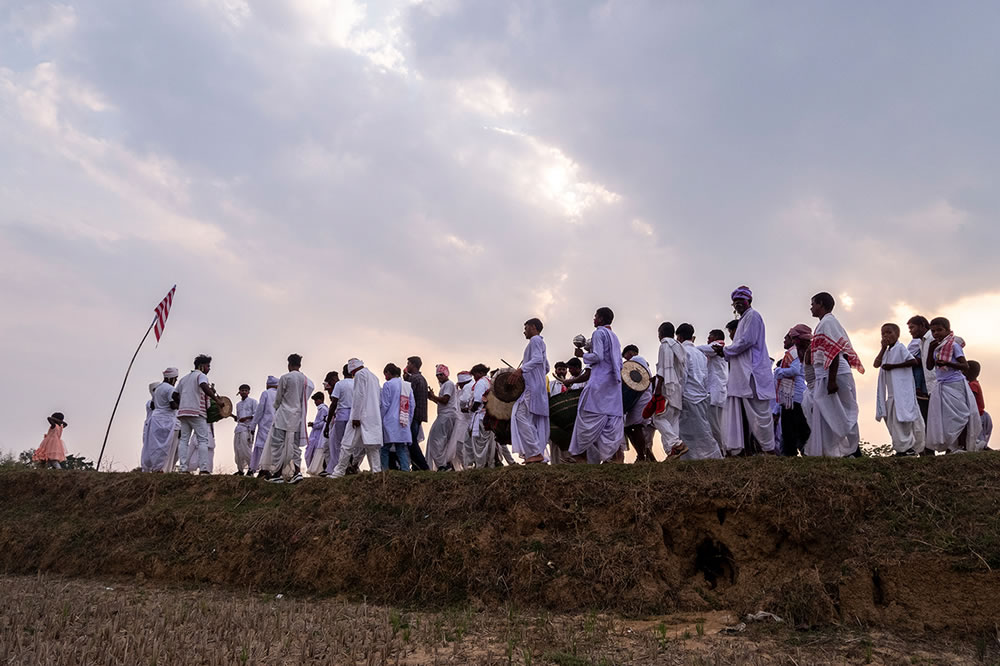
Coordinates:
<point>170,373</point>
<point>271,381</point>
<point>354,364</point>
<point>464,377</point>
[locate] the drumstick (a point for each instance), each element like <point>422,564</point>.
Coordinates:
<point>508,364</point>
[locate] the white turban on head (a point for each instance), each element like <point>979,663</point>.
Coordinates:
<point>464,377</point>
<point>354,364</point>
<point>271,381</point>
<point>170,373</point>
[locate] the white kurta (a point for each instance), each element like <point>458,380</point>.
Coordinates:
<point>243,433</point>
<point>439,439</point>
<point>529,424</point>
<point>749,386</point>
<point>896,402</point>
<point>162,424</point>
<point>283,450</point>
<point>599,429</point>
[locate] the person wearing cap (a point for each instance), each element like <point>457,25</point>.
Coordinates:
<point>599,429</point>
<point>162,423</point>
<point>341,399</point>
<point>747,419</point>
<point>482,444</point>
<point>440,443</point>
<point>192,396</point>
<point>243,432</point>
<point>316,449</point>
<point>791,379</point>
<point>282,457</point>
<point>263,419</point>
<point>460,433</point>
<point>52,452</point>
<point>412,374</point>
<point>529,422</point>
<point>364,429</point>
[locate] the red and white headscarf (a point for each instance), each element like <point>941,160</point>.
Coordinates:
<point>442,369</point>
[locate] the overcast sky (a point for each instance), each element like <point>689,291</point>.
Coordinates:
<point>339,178</point>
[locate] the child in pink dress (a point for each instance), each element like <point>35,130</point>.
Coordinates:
<point>51,451</point>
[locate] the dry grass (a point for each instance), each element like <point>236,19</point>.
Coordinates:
<point>49,621</point>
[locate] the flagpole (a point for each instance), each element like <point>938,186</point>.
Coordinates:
<point>113,411</point>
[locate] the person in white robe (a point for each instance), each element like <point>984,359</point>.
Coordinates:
<point>599,429</point>
<point>834,427</point>
<point>363,434</point>
<point>282,455</point>
<point>718,377</point>
<point>263,419</point>
<point>192,396</point>
<point>144,453</point>
<point>924,379</point>
<point>398,407</point>
<point>953,421</point>
<point>316,449</point>
<point>747,421</point>
<point>694,427</point>
<point>441,441</point>
<point>243,432</point>
<point>163,426</point>
<point>671,371</point>
<point>481,449</point>
<point>896,394</point>
<point>461,432</point>
<point>341,399</point>
<point>529,423</point>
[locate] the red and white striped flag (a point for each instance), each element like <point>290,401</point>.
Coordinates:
<point>162,312</point>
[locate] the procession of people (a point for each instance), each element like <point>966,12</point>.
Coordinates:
<point>715,400</point>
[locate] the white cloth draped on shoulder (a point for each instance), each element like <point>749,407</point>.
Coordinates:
<point>896,401</point>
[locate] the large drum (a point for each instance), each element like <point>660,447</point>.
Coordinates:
<point>214,413</point>
<point>635,381</point>
<point>562,416</point>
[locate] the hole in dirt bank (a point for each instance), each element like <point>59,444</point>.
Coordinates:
<point>878,592</point>
<point>721,514</point>
<point>668,540</point>
<point>715,560</point>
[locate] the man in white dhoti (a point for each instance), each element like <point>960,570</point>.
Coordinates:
<point>192,396</point>
<point>316,449</point>
<point>282,455</point>
<point>953,421</point>
<point>462,432</point>
<point>162,425</point>
<point>747,422</point>
<point>599,430</point>
<point>340,406</point>
<point>718,377</point>
<point>481,451</point>
<point>834,426</point>
<point>694,427</point>
<point>243,432</point>
<point>671,369</point>
<point>529,423</point>
<point>363,434</point>
<point>440,440</point>
<point>896,394</point>
<point>639,429</point>
<point>263,419</point>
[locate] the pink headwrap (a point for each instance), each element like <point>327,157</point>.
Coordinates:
<point>442,369</point>
<point>742,293</point>
<point>800,332</point>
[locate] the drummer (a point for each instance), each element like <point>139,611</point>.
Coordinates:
<point>639,431</point>
<point>192,396</point>
<point>529,424</point>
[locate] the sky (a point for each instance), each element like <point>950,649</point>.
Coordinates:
<point>380,179</point>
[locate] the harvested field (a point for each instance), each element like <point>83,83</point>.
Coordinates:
<point>49,621</point>
<point>907,545</point>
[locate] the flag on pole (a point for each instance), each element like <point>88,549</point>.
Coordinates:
<point>162,312</point>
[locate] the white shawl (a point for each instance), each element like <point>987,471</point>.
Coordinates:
<point>904,391</point>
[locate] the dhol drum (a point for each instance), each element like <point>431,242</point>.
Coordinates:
<point>635,381</point>
<point>562,416</point>
<point>215,413</point>
<point>507,386</point>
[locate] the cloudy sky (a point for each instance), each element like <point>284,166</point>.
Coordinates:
<point>339,178</point>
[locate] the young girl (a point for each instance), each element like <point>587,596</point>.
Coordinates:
<point>51,451</point>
